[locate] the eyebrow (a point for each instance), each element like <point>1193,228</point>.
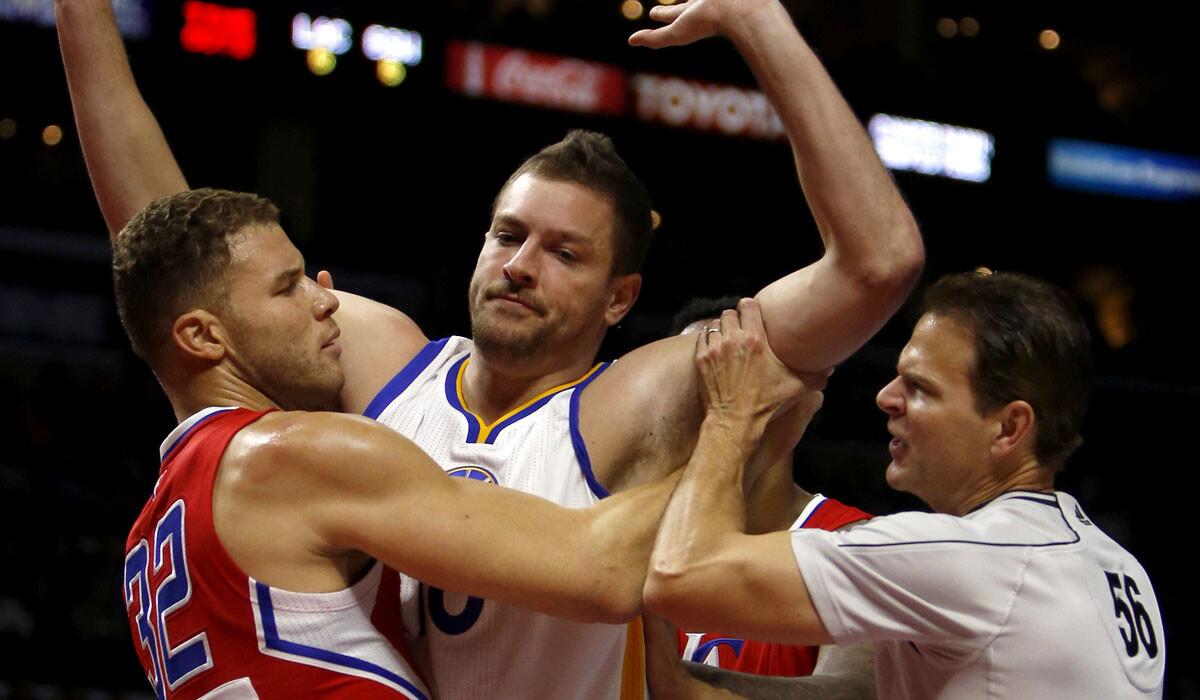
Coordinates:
<point>289,274</point>
<point>568,235</point>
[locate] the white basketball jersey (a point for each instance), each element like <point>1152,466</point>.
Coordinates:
<point>479,648</point>
<point>1023,598</point>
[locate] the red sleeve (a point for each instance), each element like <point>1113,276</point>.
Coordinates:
<point>832,514</point>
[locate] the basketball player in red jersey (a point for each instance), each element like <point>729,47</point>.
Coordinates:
<point>263,563</point>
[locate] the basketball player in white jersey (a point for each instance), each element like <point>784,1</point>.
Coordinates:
<point>264,563</point>
<point>558,267</point>
<point>1007,590</point>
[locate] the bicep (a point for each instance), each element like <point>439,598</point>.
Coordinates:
<point>377,342</point>
<point>819,315</point>
<point>640,418</point>
<point>463,535</point>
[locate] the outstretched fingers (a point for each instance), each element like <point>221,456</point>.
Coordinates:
<point>667,13</point>
<point>671,34</point>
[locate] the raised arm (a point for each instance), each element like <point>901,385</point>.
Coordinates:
<point>127,156</point>
<point>131,165</point>
<point>362,487</point>
<point>705,572</point>
<point>820,314</point>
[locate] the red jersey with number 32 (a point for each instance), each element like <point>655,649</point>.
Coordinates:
<point>763,658</point>
<point>203,628</point>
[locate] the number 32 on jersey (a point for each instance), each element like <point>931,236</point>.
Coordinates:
<point>170,664</point>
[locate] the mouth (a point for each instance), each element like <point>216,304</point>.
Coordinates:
<point>516,300</point>
<point>332,344</point>
<point>897,448</point>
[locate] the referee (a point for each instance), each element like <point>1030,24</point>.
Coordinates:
<point>1008,590</point>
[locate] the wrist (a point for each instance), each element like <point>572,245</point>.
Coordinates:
<point>736,430</point>
<point>754,17</point>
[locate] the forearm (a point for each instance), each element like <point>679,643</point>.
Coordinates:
<point>752,687</point>
<point>128,158</point>
<point>707,506</point>
<point>819,315</point>
<point>708,503</point>
<point>851,194</point>
<point>622,531</point>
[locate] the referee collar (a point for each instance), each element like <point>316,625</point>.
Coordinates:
<point>1049,498</point>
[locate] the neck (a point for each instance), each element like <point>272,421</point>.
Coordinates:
<point>1027,475</point>
<point>493,389</point>
<point>775,501</point>
<point>213,387</point>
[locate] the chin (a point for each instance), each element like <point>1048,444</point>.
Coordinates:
<point>895,477</point>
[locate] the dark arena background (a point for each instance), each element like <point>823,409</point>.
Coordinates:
<point>1058,139</point>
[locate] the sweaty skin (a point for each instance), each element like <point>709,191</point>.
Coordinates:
<point>872,258</point>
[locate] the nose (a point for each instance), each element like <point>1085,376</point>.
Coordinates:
<point>325,302</point>
<point>521,268</point>
<point>890,398</point>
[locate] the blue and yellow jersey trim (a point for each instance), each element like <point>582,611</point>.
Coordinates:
<point>482,432</point>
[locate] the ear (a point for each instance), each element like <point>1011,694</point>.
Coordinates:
<point>623,292</point>
<point>1015,424</point>
<point>200,335</point>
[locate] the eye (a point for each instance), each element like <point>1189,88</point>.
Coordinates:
<point>566,255</point>
<point>504,237</point>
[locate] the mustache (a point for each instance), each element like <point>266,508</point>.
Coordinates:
<point>505,288</point>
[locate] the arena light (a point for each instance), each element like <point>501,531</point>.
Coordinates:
<point>390,73</point>
<point>380,43</point>
<point>213,29</point>
<point>1119,170</point>
<point>52,135</point>
<point>321,61</point>
<point>332,34</point>
<point>632,10</point>
<point>133,16</point>
<point>931,148</point>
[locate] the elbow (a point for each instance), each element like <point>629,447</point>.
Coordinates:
<point>615,604</point>
<point>895,267</point>
<point>910,259</point>
<point>670,593</point>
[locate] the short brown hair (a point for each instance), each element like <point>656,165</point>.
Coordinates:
<point>589,158</point>
<point>1031,344</point>
<point>171,258</point>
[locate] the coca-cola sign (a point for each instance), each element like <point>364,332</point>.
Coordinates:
<point>528,77</point>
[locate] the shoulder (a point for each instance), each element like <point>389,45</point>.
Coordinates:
<point>644,409</point>
<point>377,342</point>
<point>638,374</point>
<point>295,447</point>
